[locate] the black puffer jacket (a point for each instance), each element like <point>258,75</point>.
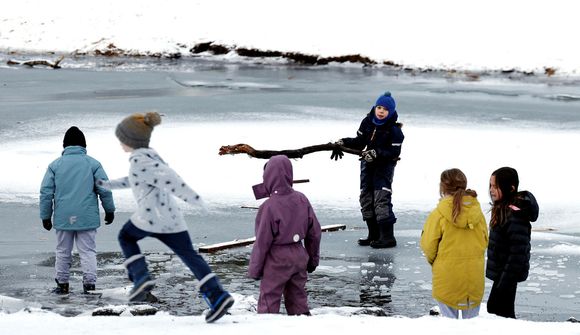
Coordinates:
<point>508,252</point>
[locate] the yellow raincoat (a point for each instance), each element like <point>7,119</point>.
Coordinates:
<point>456,251</point>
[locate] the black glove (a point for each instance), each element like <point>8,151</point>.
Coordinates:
<point>47,224</point>
<point>109,217</point>
<point>369,155</point>
<point>336,152</point>
<point>310,268</point>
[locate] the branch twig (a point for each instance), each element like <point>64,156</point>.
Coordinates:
<point>295,153</point>
<point>33,63</point>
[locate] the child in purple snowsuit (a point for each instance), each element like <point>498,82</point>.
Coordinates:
<point>287,241</point>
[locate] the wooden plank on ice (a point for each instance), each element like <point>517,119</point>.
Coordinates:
<point>333,227</point>
<point>227,245</point>
<point>247,241</point>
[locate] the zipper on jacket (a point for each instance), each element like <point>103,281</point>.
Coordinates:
<point>373,135</point>
<point>372,138</point>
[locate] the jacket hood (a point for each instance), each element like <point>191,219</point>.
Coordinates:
<point>278,177</point>
<point>74,150</point>
<point>468,217</point>
<point>527,204</point>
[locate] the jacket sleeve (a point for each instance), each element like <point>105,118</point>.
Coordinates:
<point>358,142</point>
<point>105,195</point>
<point>312,239</point>
<point>114,184</point>
<point>47,189</point>
<point>517,264</point>
<point>162,176</point>
<point>392,150</point>
<point>264,239</point>
<point>431,236</point>
<point>485,231</point>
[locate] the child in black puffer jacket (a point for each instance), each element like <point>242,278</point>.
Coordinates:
<point>508,252</point>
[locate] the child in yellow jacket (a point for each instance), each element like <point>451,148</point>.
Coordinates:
<point>454,240</point>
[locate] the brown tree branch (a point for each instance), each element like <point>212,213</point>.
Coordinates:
<point>296,153</point>
<point>33,63</point>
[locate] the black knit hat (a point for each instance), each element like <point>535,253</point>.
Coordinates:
<point>135,130</point>
<point>74,136</point>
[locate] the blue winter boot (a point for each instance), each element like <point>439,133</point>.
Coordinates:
<point>219,301</point>
<point>143,283</point>
<point>141,289</point>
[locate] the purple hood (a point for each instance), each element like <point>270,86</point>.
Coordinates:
<point>277,177</point>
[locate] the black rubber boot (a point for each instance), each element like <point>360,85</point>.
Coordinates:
<point>88,288</point>
<point>61,288</point>
<point>373,234</point>
<point>386,236</point>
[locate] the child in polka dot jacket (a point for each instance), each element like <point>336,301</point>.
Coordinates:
<point>155,186</point>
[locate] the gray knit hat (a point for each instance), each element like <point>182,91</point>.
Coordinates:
<point>135,130</point>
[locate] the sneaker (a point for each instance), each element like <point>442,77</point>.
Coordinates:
<point>61,288</point>
<point>88,288</point>
<point>140,289</point>
<point>219,307</point>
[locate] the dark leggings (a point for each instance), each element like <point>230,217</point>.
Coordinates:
<point>179,243</point>
<point>502,300</point>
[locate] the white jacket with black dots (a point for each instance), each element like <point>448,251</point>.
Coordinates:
<point>154,186</point>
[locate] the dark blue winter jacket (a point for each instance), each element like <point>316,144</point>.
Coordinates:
<point>385,139</point>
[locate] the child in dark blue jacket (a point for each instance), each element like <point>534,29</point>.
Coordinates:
<point>380,138</point>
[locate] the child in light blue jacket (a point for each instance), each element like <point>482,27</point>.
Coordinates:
<point>68,201</point>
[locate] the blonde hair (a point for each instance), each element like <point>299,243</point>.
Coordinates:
<point>454,183</point>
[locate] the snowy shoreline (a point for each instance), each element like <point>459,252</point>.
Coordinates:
<point>226,55</point>
<point>33,320</point>
<point>417,35</point>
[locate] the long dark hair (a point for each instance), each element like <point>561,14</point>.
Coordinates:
<point>507,180</point>
<point>454,183</point>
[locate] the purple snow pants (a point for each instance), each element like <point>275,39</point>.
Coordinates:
<point>285,274</point>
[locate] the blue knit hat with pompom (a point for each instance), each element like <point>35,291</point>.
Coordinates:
<point>387,101</point>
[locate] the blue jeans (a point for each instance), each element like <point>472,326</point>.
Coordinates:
<point>179,243</point>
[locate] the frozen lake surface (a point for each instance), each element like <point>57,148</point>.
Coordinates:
<point>209,104</point>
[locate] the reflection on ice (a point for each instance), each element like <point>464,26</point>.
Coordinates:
<point>377,279</point>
